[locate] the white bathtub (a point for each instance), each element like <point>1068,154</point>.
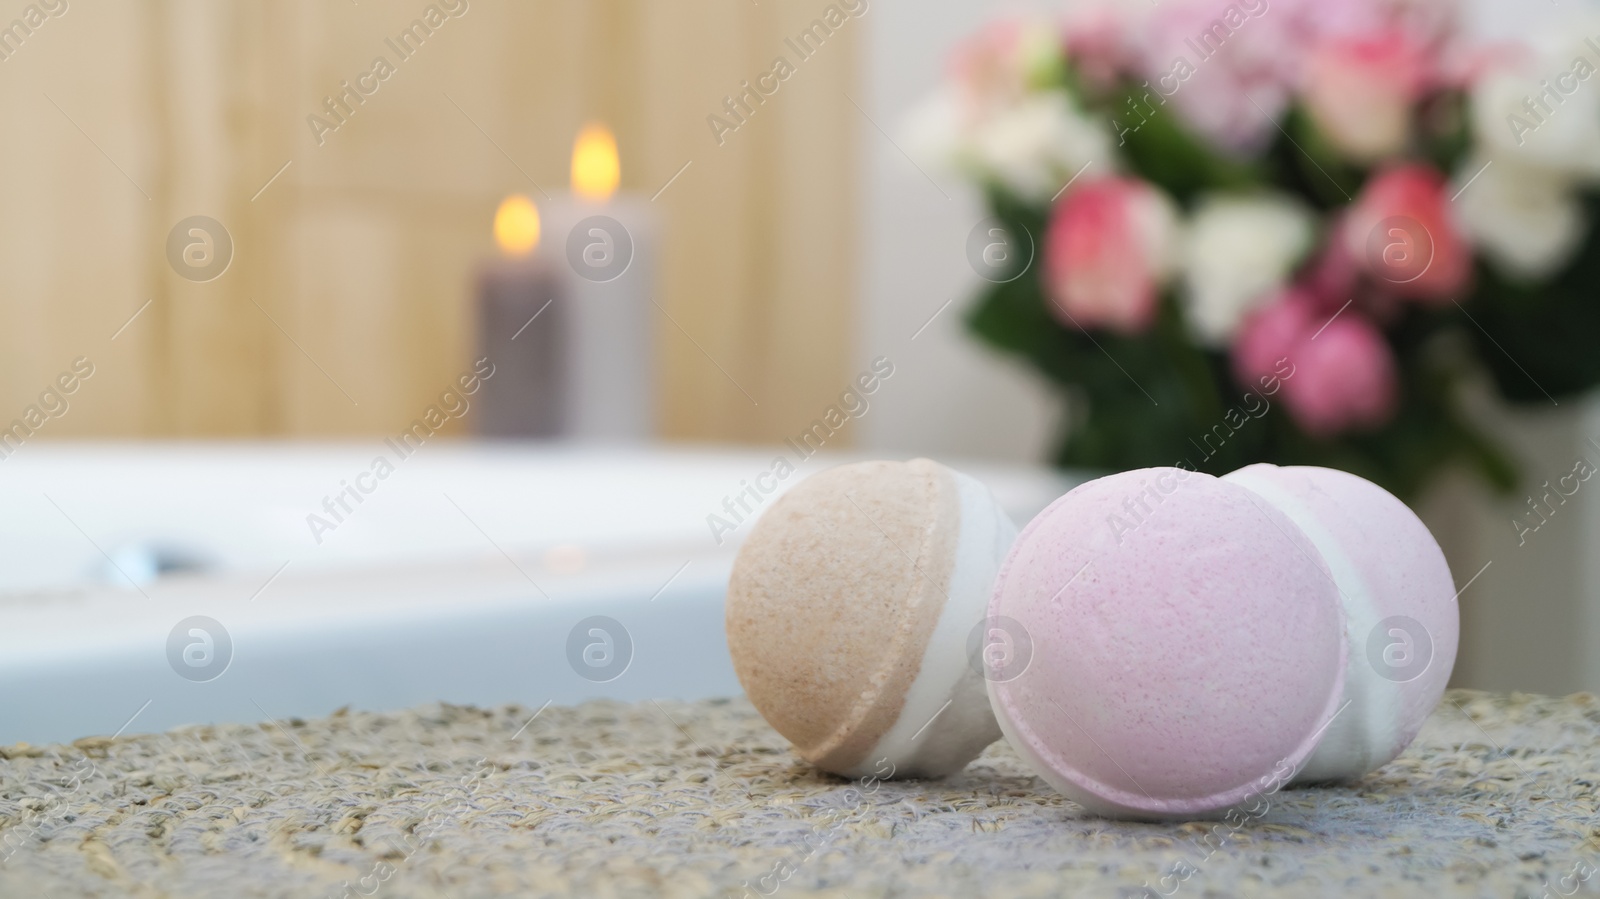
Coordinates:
<point>461,576</point>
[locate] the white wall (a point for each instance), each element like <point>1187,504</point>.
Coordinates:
<point>950,396</point>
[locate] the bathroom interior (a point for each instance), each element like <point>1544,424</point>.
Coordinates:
<point>364,356</point>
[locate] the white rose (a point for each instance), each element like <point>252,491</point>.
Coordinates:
<point>1545,112</point>
<point>1239,250</point>
<point>1528,221</point>
<point>1035,145</point>
<point>1032,146</point>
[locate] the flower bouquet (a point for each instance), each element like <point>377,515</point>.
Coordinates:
<point>1282,230</point>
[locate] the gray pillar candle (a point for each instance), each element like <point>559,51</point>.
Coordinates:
<point>605,251</point>
<point>521,329</point>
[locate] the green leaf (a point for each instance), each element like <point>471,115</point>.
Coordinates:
<point>1538,340</point>
<point>1161,150</point>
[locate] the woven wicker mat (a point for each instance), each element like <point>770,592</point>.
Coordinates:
<point>1498,797</point>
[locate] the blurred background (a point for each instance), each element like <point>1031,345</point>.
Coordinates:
<point>350,160</point>
<point>363,242</point>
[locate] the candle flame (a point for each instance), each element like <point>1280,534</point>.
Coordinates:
<point>516,225</point>
<point>595,168</point>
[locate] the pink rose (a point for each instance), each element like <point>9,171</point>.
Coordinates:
<point>1006,60</point>
<point>1337,371</point>
<point>1272,334</point>
<point>1229,68</point>
<point>1108,250</point>
<point>987,63</point>
<point>1344,379</point>
<point>1401,233</point>
<point>1360,90</point>
<point>1098,44</point>
<point>1226,69</point>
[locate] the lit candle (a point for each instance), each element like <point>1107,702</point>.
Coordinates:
<point>520,330</point>
<point>602,242</point>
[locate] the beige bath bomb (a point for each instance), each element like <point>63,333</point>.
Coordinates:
<point>852,610</point>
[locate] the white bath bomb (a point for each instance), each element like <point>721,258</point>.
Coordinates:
<point>1401,620</point>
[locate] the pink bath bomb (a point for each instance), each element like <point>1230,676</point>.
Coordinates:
<point>1401,619</point>
<point>1187,645</point>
